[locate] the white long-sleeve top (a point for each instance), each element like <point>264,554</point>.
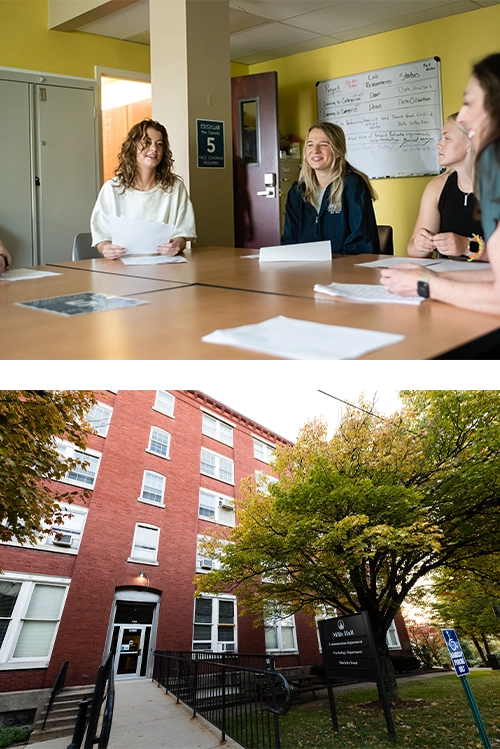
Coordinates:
<point>171,207</point>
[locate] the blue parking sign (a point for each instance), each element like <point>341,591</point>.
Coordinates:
<point>210,138</point>
<point>455,651</point>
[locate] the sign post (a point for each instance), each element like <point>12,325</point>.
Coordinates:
<point>461,670</point>
<point>349,653</point>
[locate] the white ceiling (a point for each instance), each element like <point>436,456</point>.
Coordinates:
<point>266,29</point>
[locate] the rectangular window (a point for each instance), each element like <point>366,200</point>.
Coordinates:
<point>214,625</point>
<point>30,612</point>
<point>280,634</point>
<point>217,466</point>
<point>99,418</point>
<point>264,480</point>
<point>216,507</point>
<point>262,451</point>
<point>164,402</point>
<point>205,563</point>
<point>159,442</point>
<point>86,473</point>
<point>153,487</point>
<point>145,546</point>
<point>217,429</point>
<point>68,535</point>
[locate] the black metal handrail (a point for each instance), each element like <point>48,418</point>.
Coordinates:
<point>58,685</point>
<point>104,676</point>
<point>242,701</point>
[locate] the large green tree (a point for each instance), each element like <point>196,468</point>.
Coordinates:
<point>30,421</point>
<point>356,520</point>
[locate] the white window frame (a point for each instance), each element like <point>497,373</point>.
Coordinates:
<point>46,540</point>
<point>103,430</point>
<point>149,449</point>
<point>263,480</point>
<point>70,451</point>
<point>145,560</point>
<point>146,500</point>
<point>212,563</point>
<point>158,406</point>
<point>217,466</point>
<point>266,453</point>
<point>277,622</point>
<point>392,637</point>
<point>215,645</point>
<point>220,503</point>
<point>28,583</point>
<point>215,430</point>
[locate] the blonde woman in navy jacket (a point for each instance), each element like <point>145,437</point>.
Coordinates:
<point>331,200</point>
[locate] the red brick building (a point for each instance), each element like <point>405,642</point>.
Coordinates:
<point>163,471</point>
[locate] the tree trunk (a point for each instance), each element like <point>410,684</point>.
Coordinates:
<point>479,650</point>
<point>388,674</point>
<point>486,645</point>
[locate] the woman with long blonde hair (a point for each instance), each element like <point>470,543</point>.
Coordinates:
<point>447,221</point>
<point>331,199</point>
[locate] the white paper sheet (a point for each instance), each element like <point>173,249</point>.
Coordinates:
<point>139,237</point>
<point>152,259</point>
<point>300,339</point>
<point>392,261</point>
<point>24,274</point>
<point>365,293</point>
<point>443,266</point>
<point>304,253</point>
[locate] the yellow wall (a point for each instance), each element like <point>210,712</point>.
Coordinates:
<point>458,40</point>
<point>27,43</point>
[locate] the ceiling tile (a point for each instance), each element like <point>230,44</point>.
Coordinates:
<point>267,37</point>
<point>239,20</point>
<point>287,50</point>
<point>279,10</point>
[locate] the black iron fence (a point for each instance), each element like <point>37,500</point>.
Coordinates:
<point>58,685</point>
<point>242,695</point>
<point>104,691</point>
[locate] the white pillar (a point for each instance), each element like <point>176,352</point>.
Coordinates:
<point>190,76</point>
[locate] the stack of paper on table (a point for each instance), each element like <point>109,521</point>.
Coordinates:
<point>302,252</point>
<point>365,293</point>
<point>300,339</point>
<point>437,264</point>
<point>24,274</point>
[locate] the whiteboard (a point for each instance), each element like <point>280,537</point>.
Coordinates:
<point>391,117</point>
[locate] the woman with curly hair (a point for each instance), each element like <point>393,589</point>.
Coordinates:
<point>331,199</point>
<point>145,187</point>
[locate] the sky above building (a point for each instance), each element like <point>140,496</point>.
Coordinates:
<point>284,409</point>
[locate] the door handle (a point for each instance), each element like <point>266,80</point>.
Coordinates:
<point>270,183</point>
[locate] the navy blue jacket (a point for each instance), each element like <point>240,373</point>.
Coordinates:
<point>352,231</point>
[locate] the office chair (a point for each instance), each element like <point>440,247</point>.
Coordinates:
<point>385,239</point>
<point>82,247</point>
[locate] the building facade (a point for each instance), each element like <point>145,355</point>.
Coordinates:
<point>163,470</point>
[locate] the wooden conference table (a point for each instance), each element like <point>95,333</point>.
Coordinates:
<point>220,288</point>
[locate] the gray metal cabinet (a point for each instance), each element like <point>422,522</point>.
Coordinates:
<point>49,164</point>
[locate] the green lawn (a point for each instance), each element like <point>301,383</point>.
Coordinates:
<point>445,723</point>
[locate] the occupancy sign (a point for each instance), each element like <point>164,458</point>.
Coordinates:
<point>455,651</point>
<point>210,137</point>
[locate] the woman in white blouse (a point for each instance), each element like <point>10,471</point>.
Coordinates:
<point>145,187</point>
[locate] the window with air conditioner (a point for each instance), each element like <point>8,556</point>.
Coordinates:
<point>214,627</point>
<point>204,562</point>
<point>216,508</point>
<point>64,537</point>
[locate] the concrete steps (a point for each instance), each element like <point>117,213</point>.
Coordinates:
<point>62,717</point>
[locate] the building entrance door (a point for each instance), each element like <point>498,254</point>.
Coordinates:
<point>131,640</point>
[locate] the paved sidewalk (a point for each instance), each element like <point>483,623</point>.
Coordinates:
<point>144,716</point>
<point>147,718</point>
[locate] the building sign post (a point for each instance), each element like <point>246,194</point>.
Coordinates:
<point>349,653</point>
<point>462,669</point>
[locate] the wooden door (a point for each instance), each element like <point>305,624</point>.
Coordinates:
<point>256,160</point>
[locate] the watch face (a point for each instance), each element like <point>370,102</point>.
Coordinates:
<point>423,289</point>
